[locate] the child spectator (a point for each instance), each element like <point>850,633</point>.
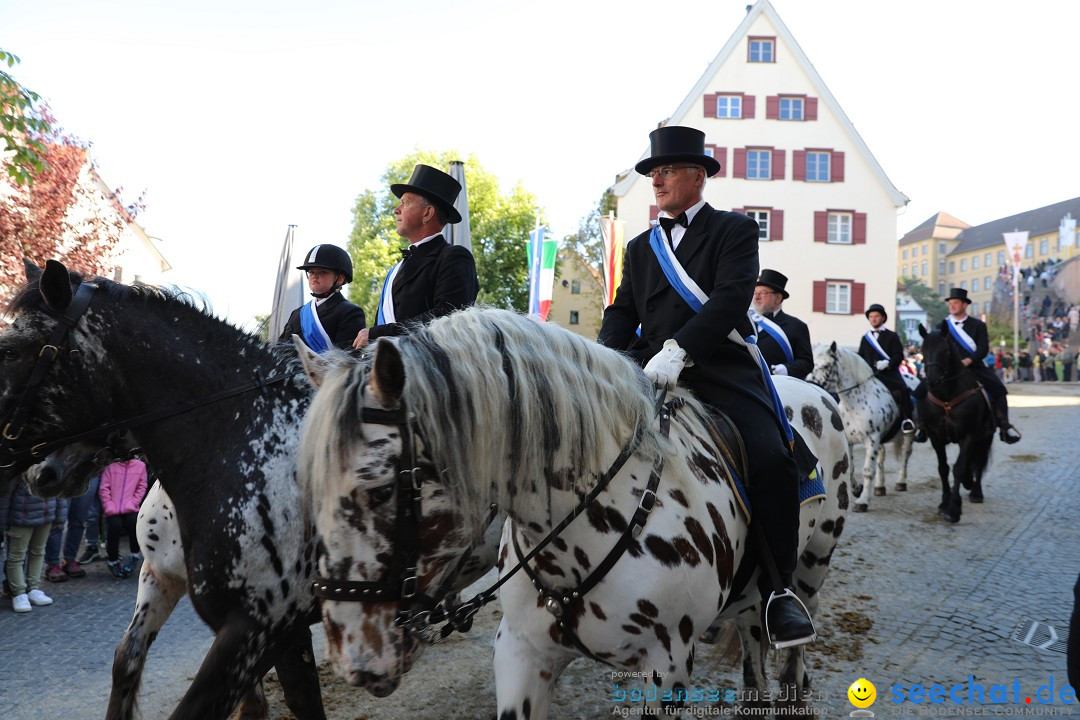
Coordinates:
<point>27,520</point>
<point>122,489</point>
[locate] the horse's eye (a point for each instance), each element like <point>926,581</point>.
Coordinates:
<point>380,495</point>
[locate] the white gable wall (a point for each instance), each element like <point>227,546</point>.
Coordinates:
<point>864,189</point>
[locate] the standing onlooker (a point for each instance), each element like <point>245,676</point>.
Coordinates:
<point>93,526</point>
<point>1067,358</point>
<point>27,520</point>
<point>70,538</point>
<point>122,489</point>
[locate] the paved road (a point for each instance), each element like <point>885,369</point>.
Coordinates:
<point>911,600</point>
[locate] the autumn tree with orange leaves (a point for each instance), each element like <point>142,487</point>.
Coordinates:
<point>56,208</point>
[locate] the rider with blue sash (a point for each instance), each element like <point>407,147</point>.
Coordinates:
<point>882,350</point>
<point>699,341</point>
<point>328,319</point>
<point>784,339</point>
<point>970,337</point>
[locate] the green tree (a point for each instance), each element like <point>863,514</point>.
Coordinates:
<point>21,127</point>
<point>928,300</point>
<point>588,241</point>
<point>500,223</point>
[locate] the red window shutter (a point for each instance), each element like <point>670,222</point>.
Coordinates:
<point>819,296</point>
<point>710,105</point>
<point>836,167</point>
<point>776,222</point>
<point>772,107</point>
<point>654,212</point>
<point>858,298</point>
<point>858,229</point>
<point>748,106</point>
<point>821,226</point>
<point>738,169</point>
<point>777,170</point>
<point>720,153</point>
<point>798,165</point>
<point>810,111</point>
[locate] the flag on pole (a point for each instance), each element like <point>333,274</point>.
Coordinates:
<point>612,232</point>
<point>288,289</point>
<point>1016,242</point>
<point>542,252</point>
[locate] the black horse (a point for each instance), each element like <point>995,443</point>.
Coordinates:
<point>955,410</point>
<point>248,553</point>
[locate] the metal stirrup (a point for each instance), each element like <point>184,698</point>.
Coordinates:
<point>781,644</point>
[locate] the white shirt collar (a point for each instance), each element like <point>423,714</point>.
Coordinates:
<point>691,211</point>
<point>958,321</point>
<point>427,239</point>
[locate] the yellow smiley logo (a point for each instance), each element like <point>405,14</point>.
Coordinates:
<point>862,693</point>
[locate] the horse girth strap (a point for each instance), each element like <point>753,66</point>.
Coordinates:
<point>954,401</point>
<point>47,355</point>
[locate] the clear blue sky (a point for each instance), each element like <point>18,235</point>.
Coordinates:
<point>239,118</point>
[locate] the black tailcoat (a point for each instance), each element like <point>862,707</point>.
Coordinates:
<point>798,335</point>
<point>890,343</point>
<point>340,319</point>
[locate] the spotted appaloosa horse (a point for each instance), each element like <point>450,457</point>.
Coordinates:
<point>871,416</point>
<point>955,411</point>
<point>247,553</point>
<point>402,456</point>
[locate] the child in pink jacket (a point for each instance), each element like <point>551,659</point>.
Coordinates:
<point>122,489</point>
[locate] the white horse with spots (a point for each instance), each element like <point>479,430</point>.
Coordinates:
<point>871,416</point>
<point>621,510</point>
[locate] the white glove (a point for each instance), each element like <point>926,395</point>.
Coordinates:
<point>664,367</point>
<point>881,364</point>
<point>779,369</point>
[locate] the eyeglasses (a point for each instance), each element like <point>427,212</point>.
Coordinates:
<point>763,293</point>
<point>668,171</point>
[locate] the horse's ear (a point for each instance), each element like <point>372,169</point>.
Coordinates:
<point>315,365</point>
<point>832,348</point>
<point>33,272</point>
<point>922,331</point>
<point>55,285</point>
<point>387,381</point>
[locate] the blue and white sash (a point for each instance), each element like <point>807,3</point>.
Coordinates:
<point>873,342</point>
<point>961,336</point>
<point>315,335</point>
<point>386,299</point>
<point>695,298</point>
<point>770,328</point>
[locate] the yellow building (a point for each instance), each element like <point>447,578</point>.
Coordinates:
<point>944,252</point>
<point>577,300</point>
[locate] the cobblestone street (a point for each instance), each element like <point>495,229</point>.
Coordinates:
<point>910,600</point>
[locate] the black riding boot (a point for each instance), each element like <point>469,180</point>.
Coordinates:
<point>920,392</point>
<point>1007,432</point>
<point>903,402</point>
<point>786,620</point>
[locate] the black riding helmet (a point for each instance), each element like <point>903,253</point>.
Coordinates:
<point>329,257</point>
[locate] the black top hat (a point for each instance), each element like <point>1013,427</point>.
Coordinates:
<point>436,186</point>
<point>876,308</point>
<point>673,144</point>
<point>958,294</point>
<point>775,280</point>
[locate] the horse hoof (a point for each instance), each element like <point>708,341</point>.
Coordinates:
<point>975,498</point>
<point>859,507</point>
<point>949,517</point>
<point>900,487</point>
<point>709,636</point>
<point>879,492</point>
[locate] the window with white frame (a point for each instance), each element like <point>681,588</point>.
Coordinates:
<point>988,282</point>
<point>963,284</point>
<point>941,267</point>
<point>987,259</point>
<point>952,266</point>
<point>817,167</point>
<point>963,264</point>
<point>941,248</point>
<point>1001,257</point>
<point>1044,246</point>
<point>758,164</point>
<point>941,288</point>
<point>924,268</point>
<point>838,298</point>
<point>914,270</point>
<point>973,311</point>
<point>926,249</point>
<point>839,228</point>
<point>574,317</point>
<point>762,50</point>
<point>791,108</point>
<point>905,254</point>
<point>975,262</point>
<point>903,271</point>
<point>1029,251</point>
<point>575,287</point>
<point>729,106</point>
<point>762,219</point>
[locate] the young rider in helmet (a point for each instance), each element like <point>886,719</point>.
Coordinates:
<point>328,319</point>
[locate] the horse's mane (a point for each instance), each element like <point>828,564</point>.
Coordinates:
<point>503,399</point>
<point>851,362</point>
<point>28,297</point>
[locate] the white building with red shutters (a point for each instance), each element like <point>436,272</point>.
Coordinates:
<point>793,161</point>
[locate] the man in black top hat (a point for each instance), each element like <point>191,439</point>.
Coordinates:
<point>971,339</point>
<point>881,348</point>
<point>719,253</point>
<point>328,319</point>
<point>784,339</point>
<point>433,278</point>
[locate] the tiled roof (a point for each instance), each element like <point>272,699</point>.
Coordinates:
<point>926,229</point>
<point>1039,221</point>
